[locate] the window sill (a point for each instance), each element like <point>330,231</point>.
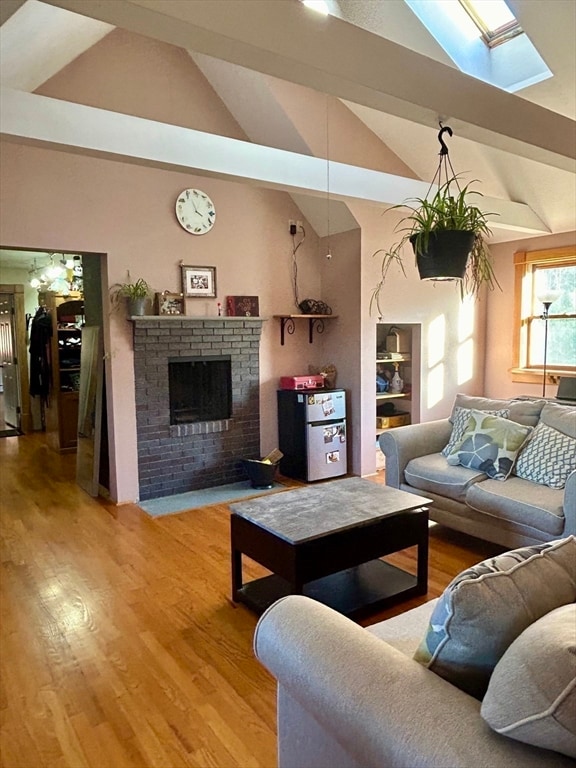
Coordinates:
<point>534,375</point>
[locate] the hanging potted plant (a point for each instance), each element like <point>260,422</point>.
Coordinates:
<point>448,235</point>
<point>136,294</point>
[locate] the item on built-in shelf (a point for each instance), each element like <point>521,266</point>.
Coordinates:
<point>385,409</point>
<point>396,342</point>
<point>398,419</point>
<point>382,384</point>
<point>314,307</point>
<point>242,306</point>
<point>397,384</point>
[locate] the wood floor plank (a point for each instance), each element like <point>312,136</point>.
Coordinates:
<point>120,645</point>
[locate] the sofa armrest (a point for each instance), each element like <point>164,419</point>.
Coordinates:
<point>380,706</point>
<point>570,505</point>
<point>402,444</point>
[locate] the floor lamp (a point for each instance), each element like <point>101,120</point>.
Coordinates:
<point>547,299</point>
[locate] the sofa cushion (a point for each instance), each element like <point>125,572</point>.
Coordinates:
<point>484,609</point>
<point>560,417</point>
<point>404,632</point>
<point>460,418</point>
<point>432,474</point>
<point>522,411</point>
<point>531,696</point>
<point>548,457</point>
<point>522,502</point>
<point>490,444</point>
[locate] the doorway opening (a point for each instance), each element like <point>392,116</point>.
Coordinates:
<point>30,274</point>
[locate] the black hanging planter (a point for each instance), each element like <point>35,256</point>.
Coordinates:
<point>446,254</point>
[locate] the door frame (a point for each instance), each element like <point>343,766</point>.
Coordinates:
<point>21,350</point>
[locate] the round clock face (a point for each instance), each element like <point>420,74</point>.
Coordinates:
<point>195,211</point>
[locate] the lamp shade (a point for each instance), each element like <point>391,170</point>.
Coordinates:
<point>548,297</point>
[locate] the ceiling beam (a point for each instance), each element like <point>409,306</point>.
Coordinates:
<point>76,128</point>
<point>287,40</point>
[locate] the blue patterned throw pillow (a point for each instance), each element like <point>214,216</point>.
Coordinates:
<point>490,444</point>
<point>548,458</point>
<point>484,609</point>
<point>460,418</point>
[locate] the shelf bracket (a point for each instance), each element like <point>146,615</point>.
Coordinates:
<point>314,322</point>
<point>288,324</point>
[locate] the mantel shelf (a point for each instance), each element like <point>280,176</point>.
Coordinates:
<point>314,321</point>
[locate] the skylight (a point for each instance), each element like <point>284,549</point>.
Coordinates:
<point>474,41</point>
<point>320,6</point>
<point>494,19</point>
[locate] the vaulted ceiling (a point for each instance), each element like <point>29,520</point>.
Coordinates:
<point>376,57</point>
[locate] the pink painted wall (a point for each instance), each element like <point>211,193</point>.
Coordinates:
<point>57,201</point>
<point>342,281</point>
<point>500,317</point>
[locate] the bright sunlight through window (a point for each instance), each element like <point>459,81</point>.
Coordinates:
<point>465,361</point>
<point>435,391</point>
<point>493,18</point>
<point>317,5</point>
<point>436,353</point>
<point>436,340</point>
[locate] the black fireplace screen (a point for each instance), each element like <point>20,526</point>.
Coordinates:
<point>200,389</point>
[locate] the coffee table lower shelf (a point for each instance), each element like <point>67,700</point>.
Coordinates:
<point>352,592</point>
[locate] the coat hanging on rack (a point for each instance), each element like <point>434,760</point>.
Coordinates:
<point>40,360</point>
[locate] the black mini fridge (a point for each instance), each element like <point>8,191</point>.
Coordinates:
<point>312,433</point>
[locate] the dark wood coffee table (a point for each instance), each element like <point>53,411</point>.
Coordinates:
<point>325,541</point>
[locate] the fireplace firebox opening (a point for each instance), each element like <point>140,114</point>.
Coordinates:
<point>200,389</point>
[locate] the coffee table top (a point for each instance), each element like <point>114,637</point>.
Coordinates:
<point>308,513</point>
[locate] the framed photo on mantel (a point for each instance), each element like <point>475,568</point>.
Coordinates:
<point>242,306</point>
<point>199,282</point>
<point>170,303</point>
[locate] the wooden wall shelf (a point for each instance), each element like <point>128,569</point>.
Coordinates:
<point>288,325</point>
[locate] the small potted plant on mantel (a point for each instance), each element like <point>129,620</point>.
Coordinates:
<point>136,294</point>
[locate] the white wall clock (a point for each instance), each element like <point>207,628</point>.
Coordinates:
<point>195,211</point>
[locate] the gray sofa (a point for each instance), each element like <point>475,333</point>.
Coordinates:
<point>513,512</point>
<point>346,699</point>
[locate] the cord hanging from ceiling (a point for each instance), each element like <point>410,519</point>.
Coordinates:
<point>329,253</point>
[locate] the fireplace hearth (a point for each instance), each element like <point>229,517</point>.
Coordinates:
<point>197,384</point>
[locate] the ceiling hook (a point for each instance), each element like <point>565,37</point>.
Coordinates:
<point>443,129</point>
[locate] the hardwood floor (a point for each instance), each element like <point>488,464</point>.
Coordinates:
<point>120,647</point>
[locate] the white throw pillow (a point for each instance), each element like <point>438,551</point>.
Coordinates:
<point>531,696</point>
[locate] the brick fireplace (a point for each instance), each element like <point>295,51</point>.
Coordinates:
<point>175,458</point>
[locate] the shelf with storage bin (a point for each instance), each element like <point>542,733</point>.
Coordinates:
<point>288,325</point>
